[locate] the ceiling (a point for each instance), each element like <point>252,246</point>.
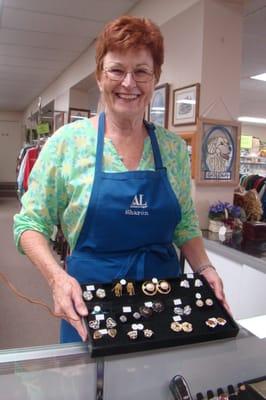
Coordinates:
<point>39,39</point>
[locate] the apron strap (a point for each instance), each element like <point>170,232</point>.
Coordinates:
<point>155,147</point>
<point>100,144</point>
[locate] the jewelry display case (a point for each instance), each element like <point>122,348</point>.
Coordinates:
<point>67,372</point>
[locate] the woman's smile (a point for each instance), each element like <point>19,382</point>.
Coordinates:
<point>127,96</point>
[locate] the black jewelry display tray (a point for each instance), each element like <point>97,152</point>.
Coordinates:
<point>158,322</point>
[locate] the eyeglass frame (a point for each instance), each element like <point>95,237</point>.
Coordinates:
<point>150,75</point>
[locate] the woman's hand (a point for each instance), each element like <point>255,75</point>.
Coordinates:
<point>216,284</point>
<point>68,301</point>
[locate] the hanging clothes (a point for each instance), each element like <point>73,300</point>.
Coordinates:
<point>31,157</point>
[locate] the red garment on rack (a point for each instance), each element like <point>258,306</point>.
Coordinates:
<point>32,155</point>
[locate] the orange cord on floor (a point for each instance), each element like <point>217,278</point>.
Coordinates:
<point>6,281</point>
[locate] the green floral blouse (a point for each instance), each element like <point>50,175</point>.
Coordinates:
<point>61,181</point>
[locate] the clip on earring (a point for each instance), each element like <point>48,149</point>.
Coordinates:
<point>130,289</point>
<point>149,288</point>
<point>117,289</point>
<point>164,287</point>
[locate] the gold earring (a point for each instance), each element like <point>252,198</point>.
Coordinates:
<point>130,289</point>
<point>164,287</point>
<point>149,288</point>
<point>117,289</point>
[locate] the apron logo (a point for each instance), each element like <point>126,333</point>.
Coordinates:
<point>137,202</point>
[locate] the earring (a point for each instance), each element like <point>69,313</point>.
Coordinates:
<point>117,289</point>
<point>130,289</point>
<point>149,288</point>
<point>145,311</point>
<point>164,287</point>
<point>184,283</point>
<point>209,302</point>
<point>87,295</point>
<point>132,335</point>
<point>148,333</point>
<point>100,293</point>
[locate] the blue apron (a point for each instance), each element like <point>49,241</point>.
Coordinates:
<point>128,228</point>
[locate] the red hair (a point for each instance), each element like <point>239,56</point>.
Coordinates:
<point>126,33</point>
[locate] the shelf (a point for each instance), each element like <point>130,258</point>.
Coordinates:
<point>252,163</point>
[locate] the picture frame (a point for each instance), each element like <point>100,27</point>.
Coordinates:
<point>75,114</point>
<point>158,108</point>
<point>186,105</point>
<point>218,152</point>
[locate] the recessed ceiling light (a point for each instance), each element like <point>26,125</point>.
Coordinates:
<point>253,120</point>
<point>260,77</point>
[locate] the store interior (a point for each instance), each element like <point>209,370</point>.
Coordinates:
<point>47,80</point>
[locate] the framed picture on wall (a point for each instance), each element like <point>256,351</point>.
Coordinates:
<point>218,152</point>
<point>186,105</point>
<point>159,106</point>
<point>75,114</point>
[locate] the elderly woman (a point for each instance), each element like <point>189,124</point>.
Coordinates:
<point>118,186</point>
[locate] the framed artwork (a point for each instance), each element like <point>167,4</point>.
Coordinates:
<point>186,105</point>
<point>218,152</point>
<point>77,113</point>
<point>159,106</point>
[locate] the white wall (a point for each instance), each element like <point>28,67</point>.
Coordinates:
<point>79,99</point>
<point>93,98</point>
<point>160,12</point>
<point>61,102</point>
<point>221,60</point>
<point>258,131</point>
<point>10,116</point>
<point>183,53</point>
<point>10,143</point>
<point>11,139</point>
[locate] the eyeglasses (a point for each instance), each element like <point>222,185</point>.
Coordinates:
<point>118,74</point>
